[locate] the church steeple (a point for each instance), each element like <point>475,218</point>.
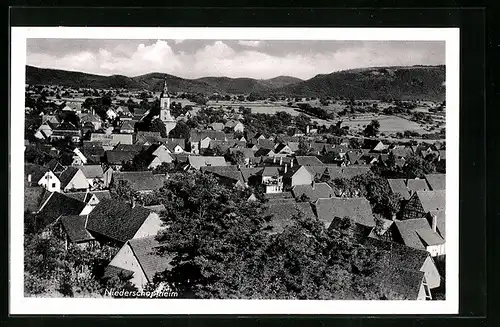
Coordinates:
<point>164,93</point>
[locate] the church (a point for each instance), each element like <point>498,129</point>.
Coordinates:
<point>165,115</point>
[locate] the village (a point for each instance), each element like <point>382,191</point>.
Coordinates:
<point>96,168</point>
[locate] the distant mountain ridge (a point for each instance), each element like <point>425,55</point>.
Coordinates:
<point>402,82</point>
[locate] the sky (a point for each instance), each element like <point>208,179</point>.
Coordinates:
<point>231,58</point>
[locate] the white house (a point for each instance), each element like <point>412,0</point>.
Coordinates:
<point>50,182</point>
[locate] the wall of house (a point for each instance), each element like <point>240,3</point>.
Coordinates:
<point>88,209</point>
<point>421,293</point>
<point>195,147</point>
<point>301,177</point>
<point>78,182</point>
<point>126,259</point>
<point>50,182</point>
<point>436,250</point>
<point>413,208</point>
<point>150,227</point>
<point>155,163</point>
<point>205,143</point>
<point>107,177</point>
<point>239,127</point>
<point>431,273</point>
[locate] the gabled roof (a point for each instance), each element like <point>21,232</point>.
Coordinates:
<point>117,157</point>
<point>247,153</point>
<point>358,209</point>
<point>91,171</point>
<point>55,166</point>
<point>408,230</point>
<point>405,283</point>
<point>313,192</point>
<point>308,161</point>
<point>75,228</point>
<point>346,172</point>
<point>249,172</point>
<point>217,126</point>
<point>270,171</point>
<point>432,200</point>
<point>90,118</point>
<point>440,222</point>
<point>198,135</point>
<point>417,185</point>
<point>436,181</point>
<point>116,220</point>
<point>230,172</point>
<point>354,156</point>
<point>398,186</point>
<point>130,147</point>
<point>266,144</point>
<point>56,205</point>
<point>200,161</point>
<point>67,175</point>
<point>141,180</point>
<point>127,125</point>
<point>151,262</point>
<point>282,212</point>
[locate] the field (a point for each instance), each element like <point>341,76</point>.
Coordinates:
<point>261,107</point>
<point>388,124</point>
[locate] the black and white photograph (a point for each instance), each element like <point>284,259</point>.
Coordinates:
<point>245,165</point>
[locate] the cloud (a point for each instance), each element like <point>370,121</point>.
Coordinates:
<point>218,58</point>
<point>249,43</point>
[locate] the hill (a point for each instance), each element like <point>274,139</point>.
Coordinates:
<point>405,83</point>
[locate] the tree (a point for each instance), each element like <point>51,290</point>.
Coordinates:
<point>236,157</point>
<point>301,121</point>
<point>123,191</point>
<point>372,129</point>
<point>417,167</point>
<point>158,126</point>
<point>303,147</point>
<point>180,131</point>
<point>221,248</point>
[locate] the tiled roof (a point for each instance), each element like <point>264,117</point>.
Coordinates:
<point>156,208</point>
<point>417,185</point>
<point>308,161</point>
<point>399,255</point>
<point>405,283</point>
<point>282,212</point>
<point>141,180</point>
<point>408,231</point>
<point>346,172</point>
<point>67,175</point>
<point>247,153</point>
<point>436,181</point>
<point>118,157</point>
<point>36,172</point>
<point>217,126</point>
<point>313,192</point>
<point>130,147</point>
<point>248,172</point>
<point>33,196</point>
<point>145,250</point>
<point>429,237</point>
<point>440,222</point>
<point>199,161</point>
<point>91,171</point>
<point>75,228</point>
<point>270,171</point>
<point>58,204</point>
<point>398,186</point>
<point>358,209</point>
<point>230,172</point>
<point>116,219</point>
<point>198,135</point>
<point>432,200</point>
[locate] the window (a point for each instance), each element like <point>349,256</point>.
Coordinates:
<point>53,185</point>
<point>428,295</point>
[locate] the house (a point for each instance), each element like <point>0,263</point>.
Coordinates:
<point>312,191</point>
<point>33,196</point>
<point>127,127</point>
<point>414,185</point>
<point>227,175</point>
<point>196,162</point>
<point>141,181</point>
<point>175,145</point>
<point>357,209</point>
<point>82,159</point>
<point>48,181</point>
<point>436,181</point>
<point>298,175</point>
<point>111,114</point>
<point>380,147</point>
<point>423,202</point>
<point>73,179</point>
<point>418,234</point>
<point>262,143</point>
<point>138,258</point>
<point>398,186</point>
<point>235,126</point>
<point>282,212</point>
<point>272,180</point>
<point>55,166</point>
<point>75,231</point>
<point>45,130</point>
<point>93,151</point>
<point>333,172</point>
<point>283,149</point>
<point>161,153</point>
<point>115,222</point>
<point>200,139</point>
<point>217,126</point>
<point>61,134</point>
<point>116,159</point>
<point>93,173</point>
<point>92,119</point>
<point>56,204</point>
<point>247,154</point>
<point>50,119</point>
<point>308,161</point>
<point>398,255</point>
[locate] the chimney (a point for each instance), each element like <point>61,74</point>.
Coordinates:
<point>307,129</point>
<point>29,178</point>
<point>281,161</point>
<point>286,166</point>
<point>274,159</point>
<point>393,217</point>
<point>133,202</point>
<point>434,223</point>
<point>291,163</point>
<point>312,184</point>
